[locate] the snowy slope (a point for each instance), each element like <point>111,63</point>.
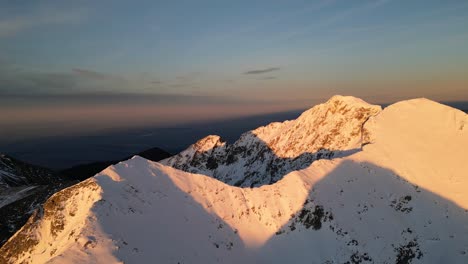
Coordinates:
<point>264,155</point>
<point>398,200</point>
<point>425,141</point>
<point>25,187</point>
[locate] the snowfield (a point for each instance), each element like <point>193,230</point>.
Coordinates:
<point>393,191</point>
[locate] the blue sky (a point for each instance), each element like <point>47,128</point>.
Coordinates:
<point>277,55</point>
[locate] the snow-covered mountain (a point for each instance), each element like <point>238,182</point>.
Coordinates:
<point>399,196</point>
<point>25,187</point>
<point>14,173</point>
<point>264,155</point>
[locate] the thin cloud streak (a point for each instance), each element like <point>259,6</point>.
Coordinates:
<point>260,71</point>
<point>27,82</point>
<point>269,78</point>
<point>94,74</point>
<point>119,98</point>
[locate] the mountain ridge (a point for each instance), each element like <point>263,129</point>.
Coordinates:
<point>25,187</point>
<point>263,155</point>
<point>387,202</point>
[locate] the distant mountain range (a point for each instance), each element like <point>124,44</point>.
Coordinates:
<point>346,182</point>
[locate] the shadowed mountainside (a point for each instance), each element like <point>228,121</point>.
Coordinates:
<point>23,187</point>
<point>370,214</point>
<point>16,173</point>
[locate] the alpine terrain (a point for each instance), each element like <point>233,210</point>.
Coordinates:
<point>23,187</point>
<point>346,182</point>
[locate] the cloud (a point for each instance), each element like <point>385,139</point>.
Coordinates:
<point>12,25</point>
<point>178,85</point>
<point>114,98</point>
<point>260,71</point>
<point>23,81</point>
<point>188,77</point>
<point>85,74</point>
<point>90,74</point>
<point>269,78</point>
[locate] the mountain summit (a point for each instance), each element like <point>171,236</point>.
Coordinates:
<point>264,155</point>
<point>388,187</point>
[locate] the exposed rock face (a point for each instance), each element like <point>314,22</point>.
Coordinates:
<point>264,155</point>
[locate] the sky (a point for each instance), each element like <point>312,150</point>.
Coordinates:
<point>82,66</point>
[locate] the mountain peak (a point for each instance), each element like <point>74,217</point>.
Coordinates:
<point>208,143</point>
<point>343,104</point>
<point>424,103</point>
<point>346,99</point>
<point>264,155</point>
